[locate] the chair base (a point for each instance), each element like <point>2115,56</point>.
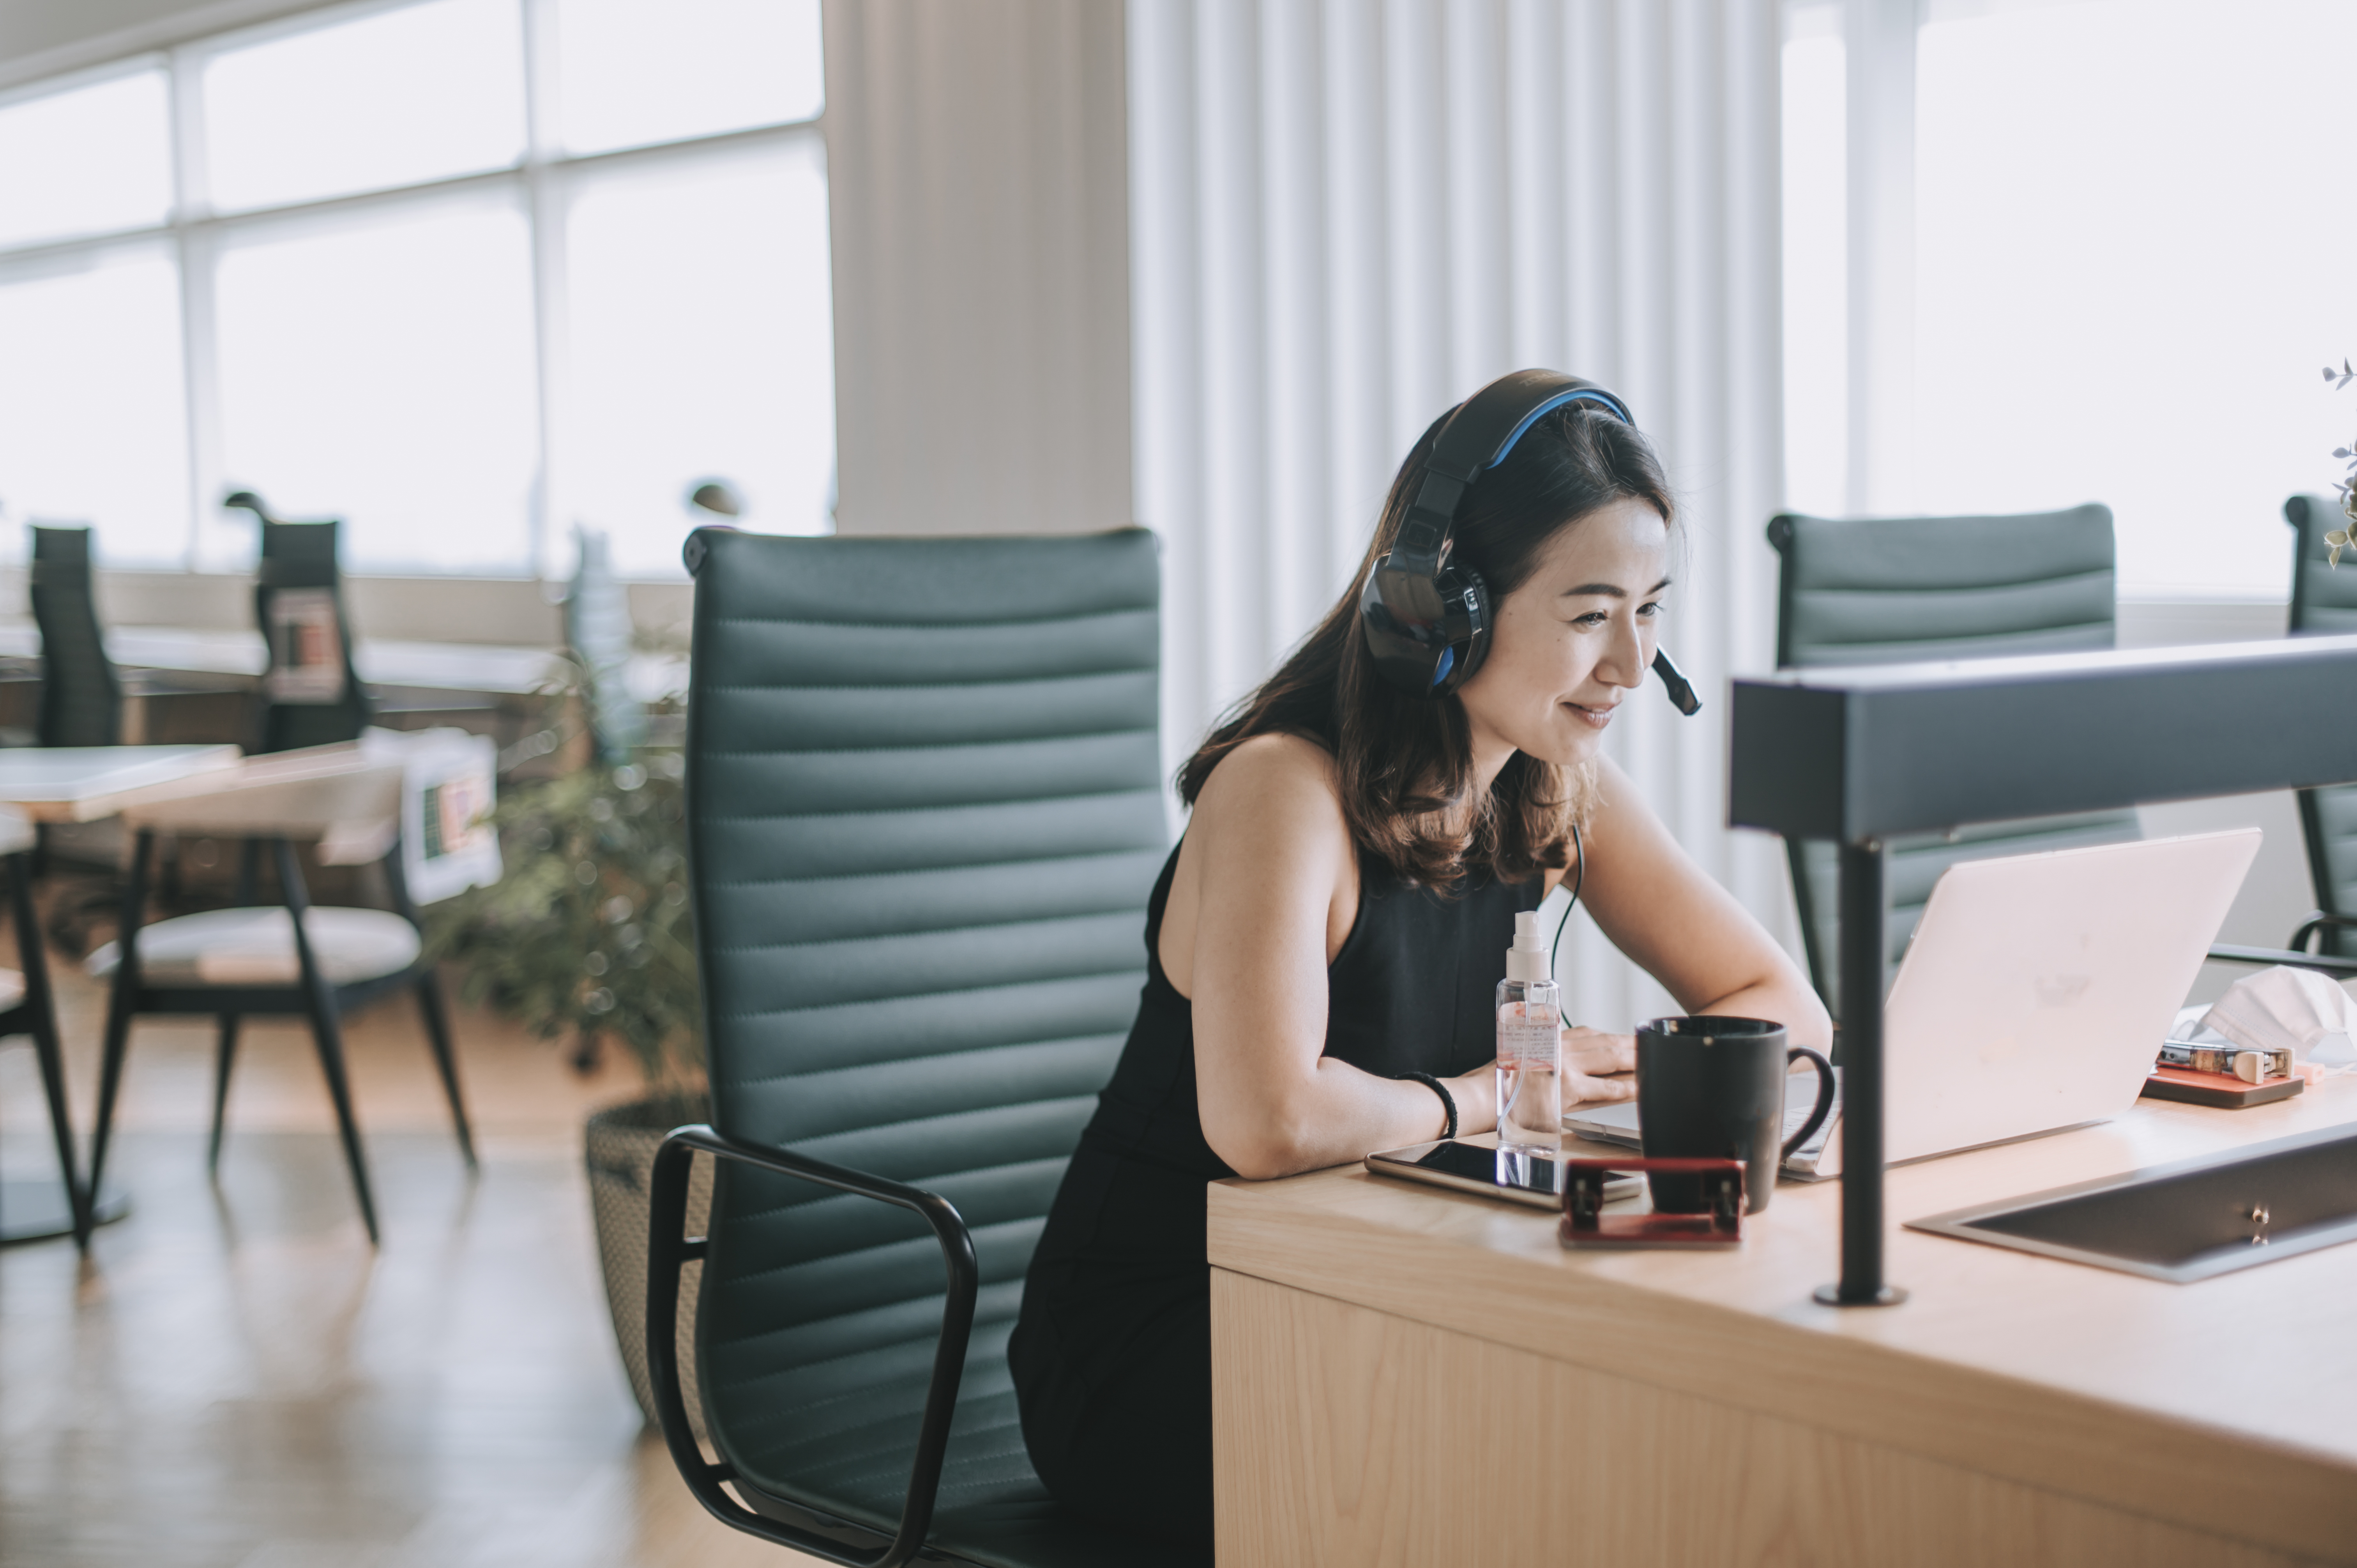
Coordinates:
<point>36,1211</point>
<point>853,1537</point>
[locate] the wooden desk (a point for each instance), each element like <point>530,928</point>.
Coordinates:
<point>1404,1376</point>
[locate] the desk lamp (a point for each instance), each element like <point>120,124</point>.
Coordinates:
<point>1861,754</point>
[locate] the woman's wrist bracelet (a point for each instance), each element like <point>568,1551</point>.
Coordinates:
<point>1448,1100</point>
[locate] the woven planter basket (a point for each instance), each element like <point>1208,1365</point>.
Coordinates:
<point>622,1141</point>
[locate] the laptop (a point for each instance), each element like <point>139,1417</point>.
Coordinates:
<point>2033,998</point>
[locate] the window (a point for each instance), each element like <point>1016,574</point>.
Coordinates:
<point>382,372</point>
<point>2131,251</point>
<point>93,420</point>
<point>701,343</point>
<point>2132,255</point>
<point>463,273</point>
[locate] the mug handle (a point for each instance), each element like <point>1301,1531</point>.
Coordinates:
<point>1824,1100</point>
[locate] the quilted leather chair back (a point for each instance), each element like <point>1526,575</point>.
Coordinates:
<point>81,697</point>
<point>2324,600</point>
<point>1900,589</point>
<point>926,809</point>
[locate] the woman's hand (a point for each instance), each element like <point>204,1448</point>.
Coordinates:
<point>1588,1055</point>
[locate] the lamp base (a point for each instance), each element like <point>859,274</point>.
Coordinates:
<point>1884,1296</point>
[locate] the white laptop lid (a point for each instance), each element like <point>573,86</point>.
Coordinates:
<point>2038,987</point>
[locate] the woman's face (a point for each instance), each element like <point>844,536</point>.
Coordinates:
<point>1573,641</point>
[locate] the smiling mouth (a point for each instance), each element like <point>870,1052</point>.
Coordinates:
<point>1595,717</point>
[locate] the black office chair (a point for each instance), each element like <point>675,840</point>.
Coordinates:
<point>311,694</point>
<point>81,695</point>
<point>925,808</point>
<point>1901,590</point>
<point>288,959</point>
<point>28,1007</point>
<point>2324,601</point>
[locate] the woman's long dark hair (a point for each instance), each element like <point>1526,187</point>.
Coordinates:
<point>1406,763</point>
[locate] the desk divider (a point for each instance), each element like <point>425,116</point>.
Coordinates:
<point>1857,755</point>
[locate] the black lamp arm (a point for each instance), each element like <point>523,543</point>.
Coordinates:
<point>670,1250</point>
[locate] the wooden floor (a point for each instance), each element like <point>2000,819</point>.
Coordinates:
<point>235,1379</point>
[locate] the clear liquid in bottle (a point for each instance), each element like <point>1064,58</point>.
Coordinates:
<point>1530,1046</point>
<point>1530,1081</point>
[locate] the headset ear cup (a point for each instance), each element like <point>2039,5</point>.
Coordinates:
<point>1468,598</point>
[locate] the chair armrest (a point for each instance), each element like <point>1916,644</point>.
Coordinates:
<point>2322,962</point>
<point>669,1250</point>
<point>2319,922</point>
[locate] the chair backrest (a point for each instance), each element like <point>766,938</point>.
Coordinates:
<point>925,808</point>
<point>1895,589</point>
<point>82,697</point>
<point>2324,600</point>
<point>311,694</point>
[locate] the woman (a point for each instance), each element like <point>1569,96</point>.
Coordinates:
<point>1337,914</point>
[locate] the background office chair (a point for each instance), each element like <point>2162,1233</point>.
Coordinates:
<point>2323,601</point>
<point>81,695</point>
<point>1895,589</point>
<point>311,694</point>
<point>925,805</point>
<point>288,959</point>
<point>27,1007</point>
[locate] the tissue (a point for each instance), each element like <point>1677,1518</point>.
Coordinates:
<point>2286,1006</point>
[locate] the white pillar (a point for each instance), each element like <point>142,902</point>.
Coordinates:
<point>978,170</point>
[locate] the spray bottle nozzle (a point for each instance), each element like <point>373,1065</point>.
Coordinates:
<point>1528,959</point>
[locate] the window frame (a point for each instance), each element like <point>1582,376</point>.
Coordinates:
<point>541,183</point>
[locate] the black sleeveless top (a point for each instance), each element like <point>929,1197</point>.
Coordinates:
<point>1112,1355</point>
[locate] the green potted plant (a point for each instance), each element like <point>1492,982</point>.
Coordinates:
<point>589,936</point>
<point>2340,538</point>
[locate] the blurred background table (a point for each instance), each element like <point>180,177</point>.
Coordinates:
<point>85,783</point>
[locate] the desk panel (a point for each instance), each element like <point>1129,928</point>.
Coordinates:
<point>2051,1376</point>
<point>1354,1438</point>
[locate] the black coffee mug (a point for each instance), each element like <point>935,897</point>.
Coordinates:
<point>1714,1088</point>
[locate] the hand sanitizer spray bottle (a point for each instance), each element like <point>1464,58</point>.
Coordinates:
<point>1530,1044</point>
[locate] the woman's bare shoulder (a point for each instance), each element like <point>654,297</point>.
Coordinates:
<point>1274,778</point>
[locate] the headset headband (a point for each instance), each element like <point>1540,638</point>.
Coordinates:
<point>1428,622</point>
<point>1478,437</point>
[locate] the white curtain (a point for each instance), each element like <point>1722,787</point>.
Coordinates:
<point>1348,214</point>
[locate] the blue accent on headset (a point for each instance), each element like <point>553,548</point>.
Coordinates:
<point>1597,395</point>
<point>1447,662</point>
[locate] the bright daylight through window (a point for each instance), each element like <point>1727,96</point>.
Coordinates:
<point>463,273</point>
<point>2131,233</point>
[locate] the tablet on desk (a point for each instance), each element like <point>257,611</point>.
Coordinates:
<point>1517,1175</point>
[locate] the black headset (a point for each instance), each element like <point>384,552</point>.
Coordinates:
<point>1427,619</point>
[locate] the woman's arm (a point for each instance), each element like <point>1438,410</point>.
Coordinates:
<point>1659,908</point>
<point>1266,866</point>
